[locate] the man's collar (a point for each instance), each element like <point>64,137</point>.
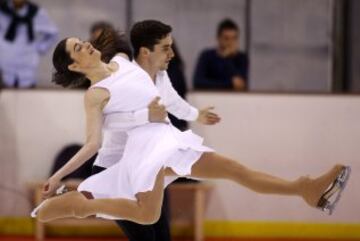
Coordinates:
<point>158,74</point>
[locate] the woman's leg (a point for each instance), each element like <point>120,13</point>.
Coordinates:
<point>212,165</point>
<point>146,210</point>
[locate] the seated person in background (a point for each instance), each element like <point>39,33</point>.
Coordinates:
<point>224,67</point>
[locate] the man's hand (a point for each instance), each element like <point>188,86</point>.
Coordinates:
<point>207,117</point>
<point>157,112</point>
<point>238,83</point>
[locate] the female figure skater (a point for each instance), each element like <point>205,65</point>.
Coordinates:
<point>155,153</point>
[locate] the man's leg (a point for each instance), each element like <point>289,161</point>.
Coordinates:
<point>162,227</point>
<point>160,231</point>
<point>137,232</point>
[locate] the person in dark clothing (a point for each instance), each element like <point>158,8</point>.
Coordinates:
<point>176,74</point>
<point>176,71</point>
<point>224,67</point>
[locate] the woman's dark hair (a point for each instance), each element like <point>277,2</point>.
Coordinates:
<point>109,43</point>
<point>148,33</point>
<point>62,75</point>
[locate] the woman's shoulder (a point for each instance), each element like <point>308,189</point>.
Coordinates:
<point>94,96</point>
<point>127,66</point>
<point>124,63</point>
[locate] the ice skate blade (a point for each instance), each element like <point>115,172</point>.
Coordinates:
<point>338,186</point>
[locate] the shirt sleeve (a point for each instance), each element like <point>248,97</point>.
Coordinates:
<point>174,103</point>
<point>46,32</point>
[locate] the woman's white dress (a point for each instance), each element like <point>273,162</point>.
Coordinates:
<point>148,148</point>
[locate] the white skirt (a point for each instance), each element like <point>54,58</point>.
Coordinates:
<point>148,149</point>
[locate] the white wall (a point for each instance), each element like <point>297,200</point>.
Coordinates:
<point>34,126</point>
<point>284,135</point>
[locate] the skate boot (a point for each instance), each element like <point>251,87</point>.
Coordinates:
<point>70,204</point>
<point>331,197</point>
<point>61,190</point>
<point>325,191</point>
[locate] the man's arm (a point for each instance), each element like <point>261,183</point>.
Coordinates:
<point>155,112</point>
<point>239,71</point>
<point>180,108</point>
<point>174,103</point>
<point>242,62</point>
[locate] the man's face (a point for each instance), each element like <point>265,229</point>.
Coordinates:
<point>19,3</point>
<point>162,53</point>
<point>229,40</point>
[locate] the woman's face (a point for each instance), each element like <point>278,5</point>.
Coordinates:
<point>85,56</point>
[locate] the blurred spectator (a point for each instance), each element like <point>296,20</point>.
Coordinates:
<point>224,67</point>
<point>26,32</point>
<point>97,28</point>
<point>176,71</point>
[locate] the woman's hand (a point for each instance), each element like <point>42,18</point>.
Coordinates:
<point>50,187</point>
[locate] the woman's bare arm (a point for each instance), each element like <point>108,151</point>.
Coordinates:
<point>95,99</point>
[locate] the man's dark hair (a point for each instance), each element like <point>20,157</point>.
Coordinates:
<point>147,34</point>
<point>226,24</point>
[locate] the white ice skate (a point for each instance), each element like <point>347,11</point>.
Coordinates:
<point>61,190</point>
<point>331,197</point>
